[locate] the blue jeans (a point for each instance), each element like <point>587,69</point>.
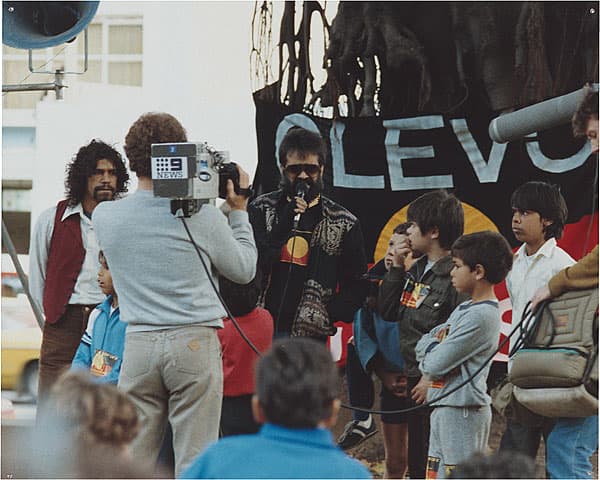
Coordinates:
<point>570,446</point>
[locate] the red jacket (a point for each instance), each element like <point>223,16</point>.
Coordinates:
<point>238,358</point>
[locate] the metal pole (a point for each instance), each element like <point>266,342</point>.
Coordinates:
<point>10,247</point>
<point>55,86</point>
<point>29,87</point>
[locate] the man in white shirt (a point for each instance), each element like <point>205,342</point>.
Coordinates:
<point>64,257</point>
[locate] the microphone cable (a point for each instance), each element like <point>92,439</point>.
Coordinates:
<point>301,192</point>
<point>457,387</point>
<point>229,314</point>
<point>343,405</point>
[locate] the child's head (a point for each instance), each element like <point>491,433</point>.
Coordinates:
<point>481,256</point>
<point>296,384</point>
<point>241,299</point>
<point>104,276</point>
<point>435,217</point>
<point>539,212</point>
<point>95,413</point>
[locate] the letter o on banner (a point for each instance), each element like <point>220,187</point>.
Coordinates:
<point>289,121</point>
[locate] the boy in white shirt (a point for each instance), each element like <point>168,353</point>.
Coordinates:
<point>539,216</point>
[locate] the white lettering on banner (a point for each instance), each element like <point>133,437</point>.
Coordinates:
<point>557,165</point>
<point>396,153</point>
<point>340,177</point>
<point>289,121</point>
<point>487,172</point>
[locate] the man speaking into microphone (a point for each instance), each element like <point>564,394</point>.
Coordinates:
<point>310,249</point>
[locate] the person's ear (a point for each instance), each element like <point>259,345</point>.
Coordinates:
<point>335,409</point>
<point>434,233</point>
<point>479,271</point>
<point>257,411</point>
<point>546,222</point>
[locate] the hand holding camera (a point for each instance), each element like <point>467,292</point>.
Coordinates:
<point>238,191</point>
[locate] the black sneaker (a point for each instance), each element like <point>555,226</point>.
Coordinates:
<point>354,434</point>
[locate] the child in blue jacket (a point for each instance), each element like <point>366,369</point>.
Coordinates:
<point>101,347</point>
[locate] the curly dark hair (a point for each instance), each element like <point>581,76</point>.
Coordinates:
<point>587,109</point>
<point>83,167</point>
<point>152,127</point>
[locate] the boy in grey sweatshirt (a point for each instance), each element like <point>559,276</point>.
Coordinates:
<point>450,353</point>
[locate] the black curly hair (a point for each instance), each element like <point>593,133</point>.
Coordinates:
<point>83,167</point>
<point>587,110</point>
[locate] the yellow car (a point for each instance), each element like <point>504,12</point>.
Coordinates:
<point>21,342</point>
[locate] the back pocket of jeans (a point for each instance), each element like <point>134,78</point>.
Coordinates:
<point>195,351</point>
<point>137,357</point>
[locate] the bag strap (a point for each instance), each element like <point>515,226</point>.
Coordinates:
<point>527,328</point>
<point>590,365</point>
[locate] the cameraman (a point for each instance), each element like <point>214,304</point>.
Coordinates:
<point>172,361</point>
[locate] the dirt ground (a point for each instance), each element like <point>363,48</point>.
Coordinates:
<point>371,452</point>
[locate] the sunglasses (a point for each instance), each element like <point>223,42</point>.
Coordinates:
<point>309,168</point>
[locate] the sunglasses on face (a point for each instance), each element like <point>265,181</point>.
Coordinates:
<point>297,169</point>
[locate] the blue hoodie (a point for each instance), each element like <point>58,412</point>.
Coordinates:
<point>102,344</point>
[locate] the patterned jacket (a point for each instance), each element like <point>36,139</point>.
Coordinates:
<point>337,258</point>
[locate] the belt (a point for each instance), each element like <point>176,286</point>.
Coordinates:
<point>86,308</point>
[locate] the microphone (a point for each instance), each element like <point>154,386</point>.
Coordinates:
<point>301,191</point>
<point>538,117</point>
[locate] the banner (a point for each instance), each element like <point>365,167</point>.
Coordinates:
<point>375,167</point>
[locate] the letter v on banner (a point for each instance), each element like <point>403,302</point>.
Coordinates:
<point>486,172</point>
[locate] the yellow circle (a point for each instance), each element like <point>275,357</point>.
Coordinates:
<point>475,221</point>
<point>300,246</point>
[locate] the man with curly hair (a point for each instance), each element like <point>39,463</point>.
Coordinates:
<point>172,368</point>
<point>63,257</point>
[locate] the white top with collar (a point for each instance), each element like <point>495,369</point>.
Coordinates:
<point>532,272</point>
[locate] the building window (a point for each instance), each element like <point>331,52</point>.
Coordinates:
<point>15,70</point>
<point>115,52</point>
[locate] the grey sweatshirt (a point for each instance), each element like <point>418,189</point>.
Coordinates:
<point>454,350</point>
<point>155,268</point>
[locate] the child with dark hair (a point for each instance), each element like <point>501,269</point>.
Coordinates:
<point>101,348</point>
<point>539,216</point>
<point>296,399</point>
<point>238,357</point>
<point>454,351</point>
<point>374,348</point>
<point>421,298</point>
